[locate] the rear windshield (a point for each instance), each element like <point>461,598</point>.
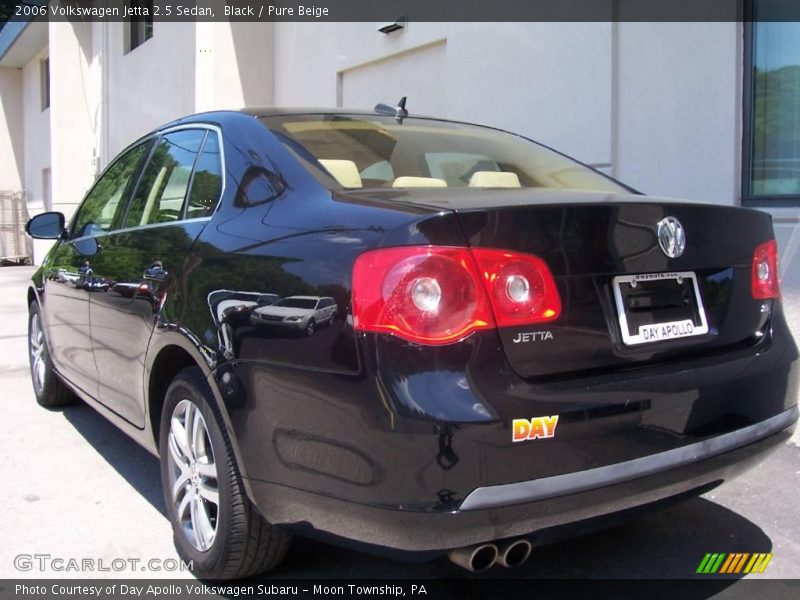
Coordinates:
<point>354,151</point>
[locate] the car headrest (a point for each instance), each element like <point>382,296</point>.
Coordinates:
<point>343,171</point>
<point>494,179</point>
<point>429,182</point>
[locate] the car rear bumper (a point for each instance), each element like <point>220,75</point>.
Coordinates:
<point>532,508</point>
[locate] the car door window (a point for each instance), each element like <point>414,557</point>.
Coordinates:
<point>104,204</point>
<point>161,191</point>
<point>207,180</point>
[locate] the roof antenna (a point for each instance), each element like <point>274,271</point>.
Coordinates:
<point>399,112</point>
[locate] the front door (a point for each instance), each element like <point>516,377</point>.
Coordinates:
<point>71,277</point>
<point>178,188</point>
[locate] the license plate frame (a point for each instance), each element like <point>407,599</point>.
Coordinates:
<point>659,331</point>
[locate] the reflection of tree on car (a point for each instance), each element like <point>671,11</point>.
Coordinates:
<point>299,313</point>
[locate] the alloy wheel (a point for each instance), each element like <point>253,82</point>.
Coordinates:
<point>193,475</point>
<point>36,346</point>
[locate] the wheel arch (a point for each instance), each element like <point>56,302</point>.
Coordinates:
<point>170,360</point>
<point>168,355</point>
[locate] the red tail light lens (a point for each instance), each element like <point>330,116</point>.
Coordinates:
<point>439,295</point>
<point>521,287</point>
<point>764,274</point>
<point>425,294</point>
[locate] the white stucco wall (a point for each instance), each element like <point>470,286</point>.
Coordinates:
<point>148,86</point>
<point>679,109</point>
<point>72,114</point>
<point>12,165</point>
<point>36,124</point>
<point>242,69</point>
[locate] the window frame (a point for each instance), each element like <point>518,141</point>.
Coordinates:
<point>151,138</point>
<point>144,141</point>
<point>748,99</point>
<point>210,129</point>
<point>157,138</point>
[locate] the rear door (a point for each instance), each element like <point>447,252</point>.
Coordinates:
<point>177,192</point>
<point>71,275</point>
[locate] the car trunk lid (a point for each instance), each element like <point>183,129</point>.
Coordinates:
<point>618,287</point>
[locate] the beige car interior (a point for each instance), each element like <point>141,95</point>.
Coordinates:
<point>427,182</point>
<point>494,179</point>
<point>346,173</point>
<point>343,171</point>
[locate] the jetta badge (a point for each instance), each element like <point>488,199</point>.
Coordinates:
<point>671,237</point>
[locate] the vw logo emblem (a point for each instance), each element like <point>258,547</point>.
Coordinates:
<point>671,237</point>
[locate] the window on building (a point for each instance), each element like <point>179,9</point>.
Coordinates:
<point>44,74</point>
<point>103,206</point>
<point>140,27</point>
<point>771,170</point>
<point>165,180</point>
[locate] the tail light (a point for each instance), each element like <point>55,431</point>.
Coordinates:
<point>439,295</point>
<point>430,295</point>
<point>521,287</point>
<point>764,274</point>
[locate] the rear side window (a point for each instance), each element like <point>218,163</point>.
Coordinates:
<point>107,198</point>
<point>161,191</point>
<point>207,180</point>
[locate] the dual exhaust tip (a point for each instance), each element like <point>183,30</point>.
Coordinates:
<point>483,557</point>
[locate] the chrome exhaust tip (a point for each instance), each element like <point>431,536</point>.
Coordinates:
<point>515,553</point>
<point>475,559</point>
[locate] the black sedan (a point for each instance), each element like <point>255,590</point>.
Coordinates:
<point>517,346</point>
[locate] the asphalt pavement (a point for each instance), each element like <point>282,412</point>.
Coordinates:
<point>74,487</point>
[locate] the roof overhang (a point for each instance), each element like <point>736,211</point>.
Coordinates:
<point>20,41</point>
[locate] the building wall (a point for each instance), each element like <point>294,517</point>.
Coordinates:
<point>150,85</point>
<point>36,124</point>
<point>678,109</point>
<point>242,69</point>
<point>12,165</point>
<point>72,110</point>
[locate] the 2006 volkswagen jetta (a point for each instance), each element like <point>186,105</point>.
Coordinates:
<point>509,346</point>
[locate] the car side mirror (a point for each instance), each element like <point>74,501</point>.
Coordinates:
<point>46,226</point>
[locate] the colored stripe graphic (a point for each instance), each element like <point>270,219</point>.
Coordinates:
<point>711,563</point>
<point>734,563</point>
<point>758,563</point>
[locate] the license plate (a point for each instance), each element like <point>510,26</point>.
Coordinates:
<point>657,307</point>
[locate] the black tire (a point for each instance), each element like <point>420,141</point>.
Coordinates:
<point>52,392</point>
<point>245,544</point>
<point>310,328</point>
